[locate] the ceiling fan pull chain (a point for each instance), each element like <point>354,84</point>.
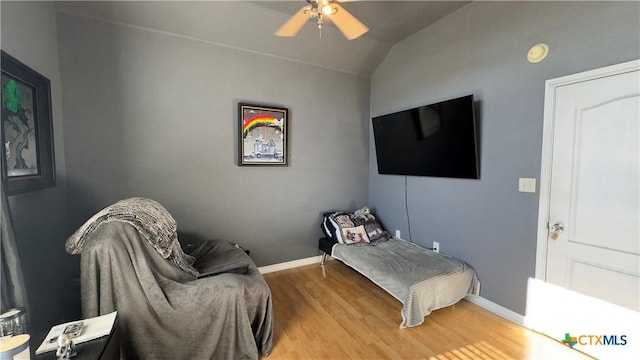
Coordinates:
<point>320,23</point>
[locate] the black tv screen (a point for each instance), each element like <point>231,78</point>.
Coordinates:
<point>432,140</point>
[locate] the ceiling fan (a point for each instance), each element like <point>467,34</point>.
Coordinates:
<point>321,11</point>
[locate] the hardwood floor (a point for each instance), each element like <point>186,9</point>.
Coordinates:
<point>335,313</point>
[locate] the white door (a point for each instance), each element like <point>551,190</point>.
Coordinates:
<point>592,215</point>
<point>595,190</point>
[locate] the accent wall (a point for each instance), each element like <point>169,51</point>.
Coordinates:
<point>481,50</point>
<point>154,114</point>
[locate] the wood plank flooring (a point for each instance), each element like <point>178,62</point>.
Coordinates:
<point>336,313</point>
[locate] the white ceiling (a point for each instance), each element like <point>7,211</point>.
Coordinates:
<point>250,25</point>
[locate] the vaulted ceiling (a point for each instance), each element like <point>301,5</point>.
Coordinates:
<point>250,25</point>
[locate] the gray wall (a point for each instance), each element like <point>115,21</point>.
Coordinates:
<point>481,50</point>
<point>40,221</point>
<point>151,114</point>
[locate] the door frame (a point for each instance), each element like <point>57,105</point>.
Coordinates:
<point>551,87</point>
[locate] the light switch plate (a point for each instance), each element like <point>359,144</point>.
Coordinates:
<point>527,185</point>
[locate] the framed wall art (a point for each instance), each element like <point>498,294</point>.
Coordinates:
<point>27,140</point>
<point>262,135</point>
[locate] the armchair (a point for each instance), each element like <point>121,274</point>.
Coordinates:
<point>168,308</point>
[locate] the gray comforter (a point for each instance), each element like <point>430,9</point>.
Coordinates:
<point>420,279</point>
<point>164,312</point>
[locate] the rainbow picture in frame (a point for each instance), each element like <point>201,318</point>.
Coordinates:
<point>263,135</point>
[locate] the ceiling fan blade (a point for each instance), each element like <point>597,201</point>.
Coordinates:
<point>350,26</point>
<point>295,23</point>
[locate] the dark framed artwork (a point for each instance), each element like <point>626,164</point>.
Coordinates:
<point>27,139</point>
<point>262,135</point>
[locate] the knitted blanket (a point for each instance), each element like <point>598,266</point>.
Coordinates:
<point>150,218</point>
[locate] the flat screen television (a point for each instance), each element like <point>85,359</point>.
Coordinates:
<point>433,140</point>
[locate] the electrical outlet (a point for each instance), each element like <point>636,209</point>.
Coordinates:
<point>398,234</point>
<point>436,246</point>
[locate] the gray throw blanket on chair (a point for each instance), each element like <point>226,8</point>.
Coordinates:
<point>164,312</point>
<point>150,218</point>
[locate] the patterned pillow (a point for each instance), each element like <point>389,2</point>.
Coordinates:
<point>340,221</point>
<point>361,229</point>
<point>355,235</point>
<point>374,230</point>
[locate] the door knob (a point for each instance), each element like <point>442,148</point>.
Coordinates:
<point>557,228</point>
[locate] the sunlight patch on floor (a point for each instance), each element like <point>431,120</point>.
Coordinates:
<point>564,315</point>
<point>478,351</point>
<point>540,347</point>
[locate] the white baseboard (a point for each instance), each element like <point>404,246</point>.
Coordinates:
<point>497,309</point>
<point>291,264</point>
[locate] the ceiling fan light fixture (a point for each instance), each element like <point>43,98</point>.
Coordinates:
<point>321,10</point>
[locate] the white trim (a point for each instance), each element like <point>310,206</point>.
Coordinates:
<point>291,264</point>
<point>497,309</point>
<point>547,149</point>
